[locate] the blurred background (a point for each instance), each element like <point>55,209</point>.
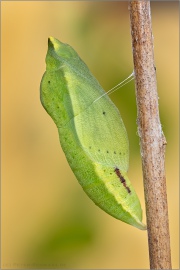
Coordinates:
<point>47,219</point>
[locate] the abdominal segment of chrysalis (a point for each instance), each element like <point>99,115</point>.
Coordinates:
<point>91,131</point>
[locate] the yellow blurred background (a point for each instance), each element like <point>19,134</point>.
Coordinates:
<point>47,219</point>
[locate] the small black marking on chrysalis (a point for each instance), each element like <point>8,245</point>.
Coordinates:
<point>107,151</point>
<point>48,81</point>
<point>123,181</point>
<point>114,152</point>
<point>104,113</point>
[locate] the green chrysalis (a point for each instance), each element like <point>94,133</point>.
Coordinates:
<point>91,132</point>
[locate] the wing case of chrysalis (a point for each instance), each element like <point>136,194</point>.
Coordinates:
<point>92,133</point>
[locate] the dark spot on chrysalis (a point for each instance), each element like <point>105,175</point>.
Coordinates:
<point>89,147</point>
<point>99,150</point>
<point>49,82</point>
<point>123,181</point>
<point>107,151</point>
<point>114,152</point>
<point>128,189</point>
<point>104,113</point>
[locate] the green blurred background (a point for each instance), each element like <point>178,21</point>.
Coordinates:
<point>47,219</point>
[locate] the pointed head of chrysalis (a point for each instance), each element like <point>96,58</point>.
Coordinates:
<point>53,85</point>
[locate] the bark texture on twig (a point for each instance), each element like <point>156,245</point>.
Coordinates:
<point>152,140</point>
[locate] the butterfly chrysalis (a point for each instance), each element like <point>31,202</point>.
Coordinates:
<point>91,131</point>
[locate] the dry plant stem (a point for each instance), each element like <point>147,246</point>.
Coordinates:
<point>152,140</point>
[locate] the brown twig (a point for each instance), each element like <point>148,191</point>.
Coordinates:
<point>152,140</point>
